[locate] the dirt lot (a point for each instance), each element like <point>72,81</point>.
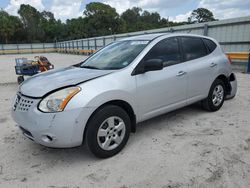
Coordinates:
<point>185,148</point>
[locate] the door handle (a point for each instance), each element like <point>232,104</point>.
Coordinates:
<point>213,64</point>
<point>180,73</point>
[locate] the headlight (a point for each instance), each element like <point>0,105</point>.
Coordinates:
<point>57,101</point>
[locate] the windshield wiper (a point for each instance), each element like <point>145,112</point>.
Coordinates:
<point>89,67</point>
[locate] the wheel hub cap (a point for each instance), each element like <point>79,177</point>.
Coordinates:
<point>218,95</point>
<point>111,133</point>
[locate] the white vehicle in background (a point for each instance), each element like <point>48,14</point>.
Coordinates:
<point>100,100</point>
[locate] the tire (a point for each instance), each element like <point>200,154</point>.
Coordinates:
<point>108,131</point>
<point>210,104</point>
<point>20,79</point>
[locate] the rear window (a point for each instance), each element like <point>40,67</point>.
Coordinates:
<point>210,45</point>
<point>193,48</point>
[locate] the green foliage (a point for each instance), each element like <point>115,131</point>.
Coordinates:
<point>31,19</point>
<point>10,27</point>
<point>75,28</point>
<point>201,15</point>
<point>131,19</point>
<point>101,19</point>
<point>98,19</point>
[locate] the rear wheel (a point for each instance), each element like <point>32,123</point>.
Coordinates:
<point>216,96</point>
<point>108,131</point>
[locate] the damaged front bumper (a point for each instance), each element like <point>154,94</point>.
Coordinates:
<point>59,130</point>
<point>233,84</point>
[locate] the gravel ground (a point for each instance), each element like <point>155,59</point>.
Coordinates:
<point>185,148</point>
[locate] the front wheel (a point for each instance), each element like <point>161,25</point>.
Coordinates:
<point>216,96</point>
<point>108,131</point>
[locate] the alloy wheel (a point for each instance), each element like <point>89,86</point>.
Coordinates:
<point>111,133</point>
<point>218,95</point>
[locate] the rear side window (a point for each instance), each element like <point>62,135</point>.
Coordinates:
<point>210,45</point>
<point>193,48</point>
<point>166,50</point>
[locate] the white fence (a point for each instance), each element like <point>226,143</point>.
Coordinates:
<point>232,34</point>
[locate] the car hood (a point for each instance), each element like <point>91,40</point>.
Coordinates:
<point>41,84</point>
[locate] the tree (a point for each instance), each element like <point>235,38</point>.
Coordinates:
<point>201,15</point>
<point>101,19</point>
<point>98,19</point>
<point>131,18</point>
<point>9,26</point>
<point>137,20</point>
<point>50,26</point>
<point>41,26</point>
<point>76,28</point>
<point>31,19</point>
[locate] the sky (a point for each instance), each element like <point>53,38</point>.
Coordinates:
<point>175,10</point>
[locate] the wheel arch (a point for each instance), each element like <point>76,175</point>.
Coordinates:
<point>121,103</point>
<point>226,82</point>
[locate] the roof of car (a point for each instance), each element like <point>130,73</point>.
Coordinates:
<point>145,36</point>
<point>156,35</point>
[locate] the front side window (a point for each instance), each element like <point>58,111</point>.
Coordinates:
<point>167,50</point>
<point>193,48</point>
<point>116,55</point>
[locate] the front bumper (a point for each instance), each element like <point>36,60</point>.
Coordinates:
<point>59,130</point>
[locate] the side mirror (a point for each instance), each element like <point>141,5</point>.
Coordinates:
<point>149,65</point>
<point>153,65</point>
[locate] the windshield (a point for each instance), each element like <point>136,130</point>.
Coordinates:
<point>115,56</point>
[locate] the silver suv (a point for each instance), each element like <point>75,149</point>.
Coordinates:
<point>100,100</point>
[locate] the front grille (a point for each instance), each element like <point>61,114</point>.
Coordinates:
<point>23,104</point>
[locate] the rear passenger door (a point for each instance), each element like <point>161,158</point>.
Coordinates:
<point>200,67</point>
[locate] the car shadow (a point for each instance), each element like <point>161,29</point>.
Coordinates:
<point>81,155</point>
<point>187,112</point>
<point>68,155</point>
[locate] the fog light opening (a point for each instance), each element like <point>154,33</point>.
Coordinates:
<point>50,138</point>
<point>47,138</point>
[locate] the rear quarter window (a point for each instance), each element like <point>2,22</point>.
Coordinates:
<point>193,48</point>
<point>210,45</point>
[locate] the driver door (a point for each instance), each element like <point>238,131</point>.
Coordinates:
<point>164,90</point>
